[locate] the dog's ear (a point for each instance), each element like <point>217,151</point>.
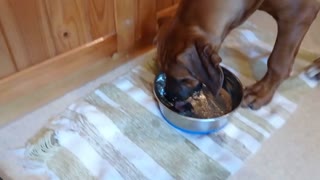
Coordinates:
<point>164,20</point>
<point>155,40</point>
<point>203,63</point>
<point>162,24</point>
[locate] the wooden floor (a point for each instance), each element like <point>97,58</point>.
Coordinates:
<point>35,87</point>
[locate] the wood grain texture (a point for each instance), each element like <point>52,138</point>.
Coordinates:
<point>12,32</point>
<point>125,23</point>
<point>7,66</point>
<point>146,19</point>
<point>101,17</point>
<point>68,24</point>
<point>33,27</point>
<point>40,84</point>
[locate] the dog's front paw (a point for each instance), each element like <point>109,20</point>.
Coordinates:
<point>313,71</point>
<point>258,95</point>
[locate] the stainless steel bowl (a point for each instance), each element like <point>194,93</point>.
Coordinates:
<point>194,125</point>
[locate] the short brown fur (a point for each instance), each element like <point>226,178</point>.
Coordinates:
<point>188,44</point>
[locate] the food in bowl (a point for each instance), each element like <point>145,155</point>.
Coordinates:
<point>205,105</point>
<point>192,123</point>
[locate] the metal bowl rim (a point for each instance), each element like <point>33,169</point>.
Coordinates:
<point>202,119</point>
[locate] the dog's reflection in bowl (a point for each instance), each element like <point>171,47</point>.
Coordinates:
<point>209,114</point>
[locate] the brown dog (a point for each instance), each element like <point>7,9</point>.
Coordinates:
<point>188,44</point>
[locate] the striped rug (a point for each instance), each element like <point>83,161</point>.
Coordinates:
<point>117,131</point>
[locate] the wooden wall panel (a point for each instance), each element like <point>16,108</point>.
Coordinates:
<point>146,19</point>
<point>37,30</point>
<point>66,34</point>
<point>7,66</point>
<point>68,24</point>
<point>101,17</point>
<point>30,28</point>
<point>32,23</point>
<point>125,23</point>
<point>12,32</point>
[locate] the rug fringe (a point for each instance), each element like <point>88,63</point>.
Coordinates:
<point>43,148</point>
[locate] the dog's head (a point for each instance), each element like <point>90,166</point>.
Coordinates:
<point>188,62</point>
<point>190,70</point>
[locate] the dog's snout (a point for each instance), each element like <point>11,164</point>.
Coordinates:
<point>178,93</point>
<point>180,90</point>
